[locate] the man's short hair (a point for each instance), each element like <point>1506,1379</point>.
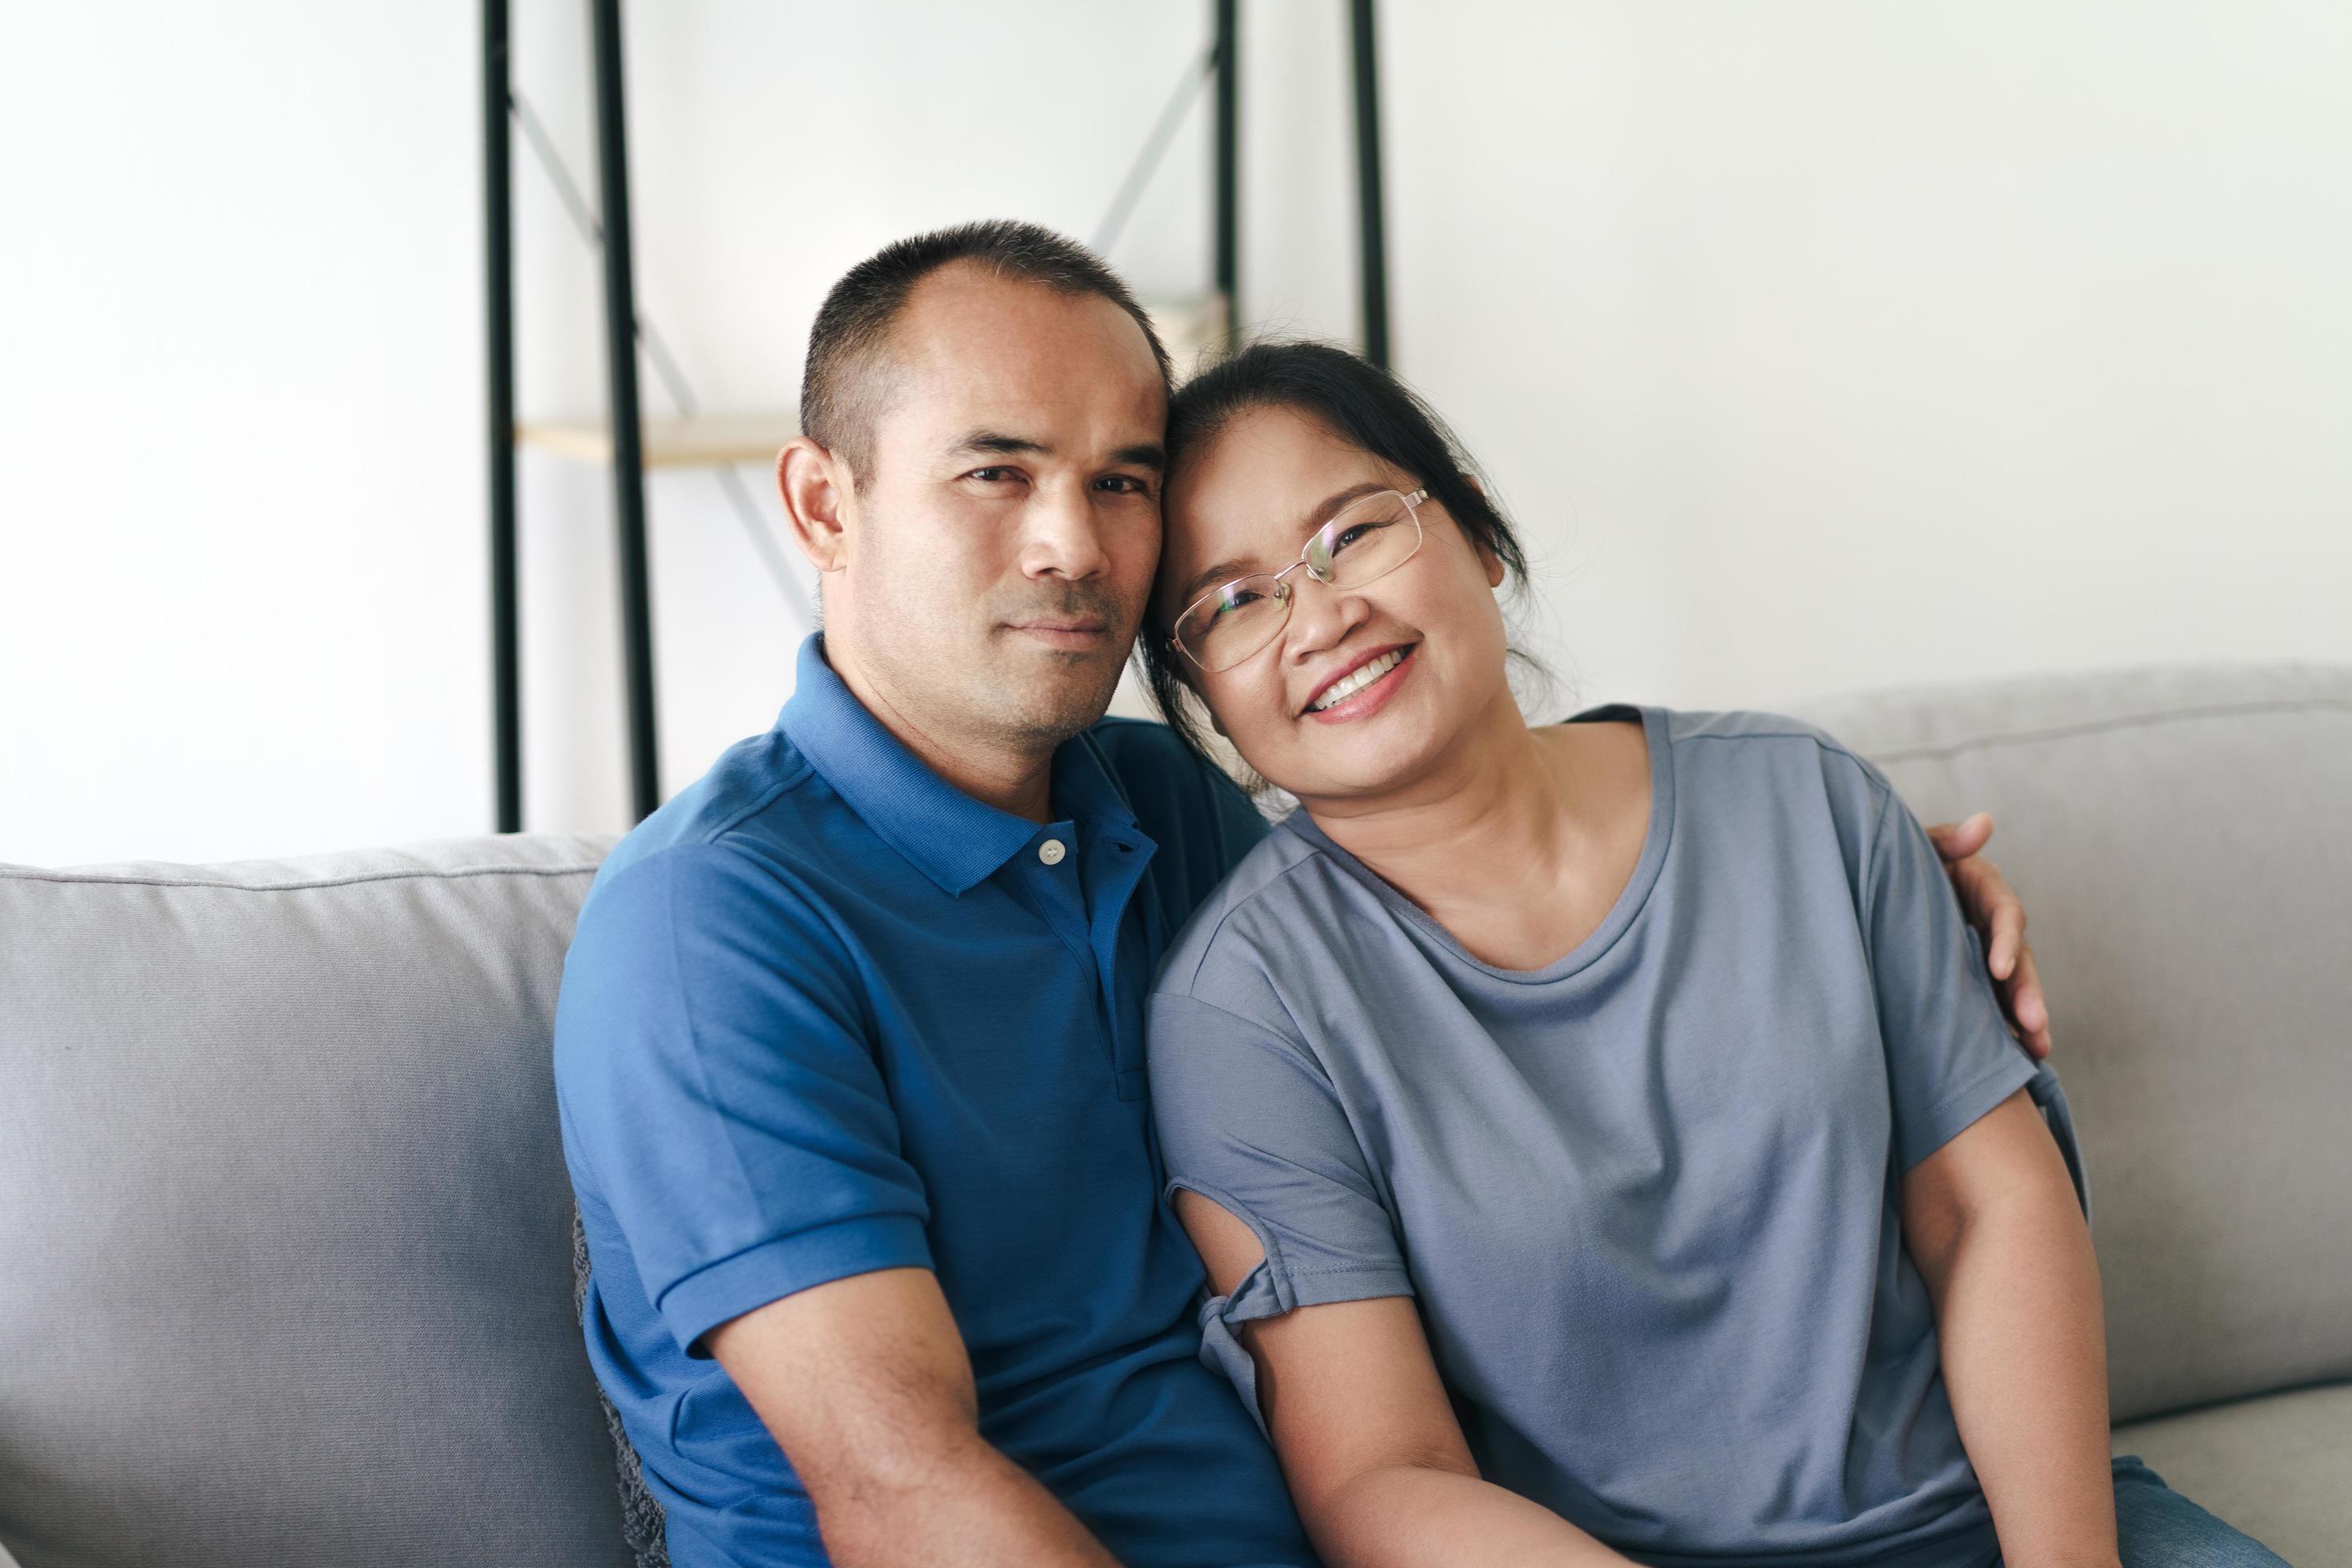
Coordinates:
<point>844,385</point>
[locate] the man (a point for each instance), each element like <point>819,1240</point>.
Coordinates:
<point>850,1047</point>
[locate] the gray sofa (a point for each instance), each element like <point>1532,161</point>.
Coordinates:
<point>284,1226</point>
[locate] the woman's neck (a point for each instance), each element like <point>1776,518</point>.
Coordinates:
<point>1502,820</point>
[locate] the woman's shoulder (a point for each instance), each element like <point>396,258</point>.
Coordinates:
<point>1224,950</point>
<point>1755,774</point>
<point>1754,745</point>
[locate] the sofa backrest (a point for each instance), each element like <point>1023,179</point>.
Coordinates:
<point>283,1223</point>
<point>2182,840</point>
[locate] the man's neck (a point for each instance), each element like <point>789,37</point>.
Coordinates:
<point>1018,781</point>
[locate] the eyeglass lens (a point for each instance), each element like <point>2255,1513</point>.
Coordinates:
<point>1372,537</point>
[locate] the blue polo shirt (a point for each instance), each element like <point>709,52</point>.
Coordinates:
<point>825,1014</point>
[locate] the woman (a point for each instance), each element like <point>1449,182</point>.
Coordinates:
<point>1602,1138</point>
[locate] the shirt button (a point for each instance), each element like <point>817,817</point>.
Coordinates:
<point>1052,851</point>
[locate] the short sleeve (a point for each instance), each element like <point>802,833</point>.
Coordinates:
<point>1249,1119</point>
<point>718,1095</point>
<point>1950,1057</point>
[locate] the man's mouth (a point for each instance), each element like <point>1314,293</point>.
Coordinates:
<point>1359,676</point>
<point>1068,634</point>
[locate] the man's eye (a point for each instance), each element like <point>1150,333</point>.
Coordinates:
<point>1126,485</point>
<point>989,476</point>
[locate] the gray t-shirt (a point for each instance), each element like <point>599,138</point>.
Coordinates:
<point>1646,1196</point>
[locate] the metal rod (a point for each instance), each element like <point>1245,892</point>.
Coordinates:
<point>628,454</point>
<point>1155,147</point>
<point>498,228</point>
<point>1374,252</point>
<point>1228,161</point>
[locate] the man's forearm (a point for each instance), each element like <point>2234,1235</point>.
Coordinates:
<point>2024,1360</point>
<point>865,1385</point>
<point>964,1502</point>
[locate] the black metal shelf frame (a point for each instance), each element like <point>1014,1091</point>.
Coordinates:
<point>621,345</point>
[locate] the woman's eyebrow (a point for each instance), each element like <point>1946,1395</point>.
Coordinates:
<point>1207,576</point>
<point>1325,510</point>
<point>1337,502</point>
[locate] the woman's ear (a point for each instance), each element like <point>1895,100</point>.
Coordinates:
<point>1486,558</point>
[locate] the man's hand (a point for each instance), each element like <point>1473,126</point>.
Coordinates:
<point>864,1383</point>
<point>1992,908</point>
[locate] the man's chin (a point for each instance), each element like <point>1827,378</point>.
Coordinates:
<point>1059,702</point>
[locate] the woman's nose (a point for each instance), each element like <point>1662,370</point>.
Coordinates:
<point>1321,615</point>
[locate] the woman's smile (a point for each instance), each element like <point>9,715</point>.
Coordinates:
<point>1364,686</point>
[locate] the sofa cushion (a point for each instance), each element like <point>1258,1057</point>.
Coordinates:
<point>2279,1467</point>
<point>2182,840</point>
<point>284,1215</point>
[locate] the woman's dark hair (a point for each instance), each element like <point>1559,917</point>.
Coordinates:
<point>1363,406</point>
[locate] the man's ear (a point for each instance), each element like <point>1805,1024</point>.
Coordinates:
<point>815,487</point>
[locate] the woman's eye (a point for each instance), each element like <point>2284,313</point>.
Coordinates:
<point>1241,601</point>
<point>1354,535</point>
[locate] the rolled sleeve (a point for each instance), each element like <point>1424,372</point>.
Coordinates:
<point>1249,1119</point>
<point>720,1094</point>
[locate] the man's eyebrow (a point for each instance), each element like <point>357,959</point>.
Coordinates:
<point>998,444</point>
<point>1328,508</point>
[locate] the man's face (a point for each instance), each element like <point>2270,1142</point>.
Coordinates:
<point>998,550</point>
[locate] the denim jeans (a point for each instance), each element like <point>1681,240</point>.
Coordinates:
<point>2157,1528</point>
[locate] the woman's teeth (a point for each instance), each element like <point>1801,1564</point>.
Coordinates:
<point>1355,680</point>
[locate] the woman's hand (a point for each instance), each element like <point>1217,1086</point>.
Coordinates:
<point>1992,908</point>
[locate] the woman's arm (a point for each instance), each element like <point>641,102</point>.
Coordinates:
<point>1369,1443</point>
<point>1991,1221</point>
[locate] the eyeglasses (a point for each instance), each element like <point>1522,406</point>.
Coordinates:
<point>1371,538</point>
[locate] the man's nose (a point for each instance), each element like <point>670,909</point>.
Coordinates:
<point>1064,536</point>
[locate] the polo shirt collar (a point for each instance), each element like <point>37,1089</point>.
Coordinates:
<point>953,838</point>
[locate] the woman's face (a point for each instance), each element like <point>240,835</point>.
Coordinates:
<point>1246,503</point>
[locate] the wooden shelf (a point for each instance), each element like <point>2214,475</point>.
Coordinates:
<point>706,440</point>
<point>1191,328</point>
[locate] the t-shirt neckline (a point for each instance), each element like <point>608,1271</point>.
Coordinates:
<point>1621,914</point>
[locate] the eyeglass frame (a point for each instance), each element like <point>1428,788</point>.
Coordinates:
<point>1282,591</point>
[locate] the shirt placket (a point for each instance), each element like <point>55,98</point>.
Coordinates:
<point>1085,883</point>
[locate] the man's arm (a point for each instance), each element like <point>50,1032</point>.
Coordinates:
<point>1993,1223</point>
<point>1993,909</point>
<point>864,1383</point>
<point>1368,1442</point>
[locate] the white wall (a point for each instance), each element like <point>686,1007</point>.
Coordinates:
<point>1814,346</point>
<point>1832,344</point>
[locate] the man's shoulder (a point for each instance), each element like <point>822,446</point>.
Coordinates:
<point>1184,803</point>
<point>761,815</point>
